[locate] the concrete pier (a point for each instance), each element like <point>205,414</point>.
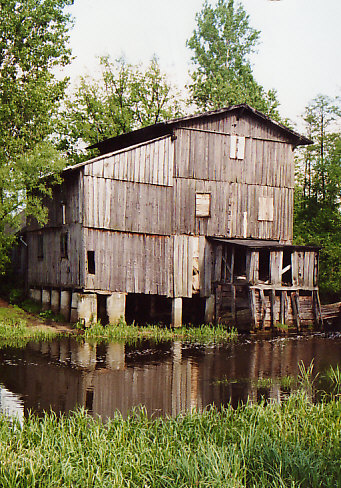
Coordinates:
<point>177,312</point>
<point>116,307</point>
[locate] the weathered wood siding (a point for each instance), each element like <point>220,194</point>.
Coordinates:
<point>137,263</point>
<point>238,187</point>
<point>52,269</point>
<point>69,193</point>
<point>150,162</point>
<point>132,263</point>
<point>127,206</point>
<point>229,203</point>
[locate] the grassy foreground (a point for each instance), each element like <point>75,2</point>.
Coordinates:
<point>16,332</point>
<point>125,332</point>
<point>296,444</point>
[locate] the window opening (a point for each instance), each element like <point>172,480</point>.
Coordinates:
<point>239,263</point>
<point>264,265</point>
<point>287,268</point>
<point>64,245</point>
<point>226,264</point>
<point>40,246</point>
<point>91,262</point>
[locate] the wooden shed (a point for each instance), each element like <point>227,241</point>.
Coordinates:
<point>147,223</point>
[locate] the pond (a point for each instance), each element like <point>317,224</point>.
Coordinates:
<point>168,378</point>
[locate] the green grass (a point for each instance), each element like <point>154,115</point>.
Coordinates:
<point>124,332</point>
<point>293,444</point>
<point>15,331</point>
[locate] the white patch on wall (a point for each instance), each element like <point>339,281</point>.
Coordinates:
<point>202,204</point>
<point>266,209</point>
<point>237,147</point>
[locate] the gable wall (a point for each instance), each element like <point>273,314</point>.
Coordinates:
<point>203,164</point>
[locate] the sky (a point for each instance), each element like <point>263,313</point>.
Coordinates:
<point>299,52</point>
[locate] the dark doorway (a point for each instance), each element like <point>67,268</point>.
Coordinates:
<point>102,314</point>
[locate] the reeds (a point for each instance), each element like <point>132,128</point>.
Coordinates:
<point>124,332</point>
<point>293,444</point>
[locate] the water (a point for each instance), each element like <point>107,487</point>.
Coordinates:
<point>167,378</point>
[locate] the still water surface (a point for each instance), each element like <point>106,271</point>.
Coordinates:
<point>168,378</point>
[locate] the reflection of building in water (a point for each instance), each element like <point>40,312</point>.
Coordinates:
<point>168,379</point>
<point>11,405</point>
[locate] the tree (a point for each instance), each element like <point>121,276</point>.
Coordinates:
<point>318,190</point>
<point>124,98</point>
<point>222,44</point>
<point>33,42</point>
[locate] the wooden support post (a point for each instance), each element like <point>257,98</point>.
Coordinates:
<point>283,307</point>
<point>253,309</point>
<point>272,308</point>
<point>233,304</point>
<point>262,298</point>
<point>317,309</point>
<point>177,312</point>
<point>295,310</point>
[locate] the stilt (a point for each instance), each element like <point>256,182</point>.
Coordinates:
<point>46,299</point>
<point>35,294</point>
<point>65,304</point>
<point>86,307</point>
<point>116,307</point>
<point>210,309</point>
<point>55,301</point>
<point>177,312</point>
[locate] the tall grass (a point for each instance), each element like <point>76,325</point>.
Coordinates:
<point>14,331</point>
<point>295,444</point>
<point>125,332</point>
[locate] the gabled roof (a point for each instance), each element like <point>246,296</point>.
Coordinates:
<point>166,128</point>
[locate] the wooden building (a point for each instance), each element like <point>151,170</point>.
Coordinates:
<point>193,214</point>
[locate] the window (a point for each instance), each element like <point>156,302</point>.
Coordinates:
<point>202,204</point>
<point>264,265</point>
<point>64,245</point>
<point>40,253</point>
<point>91,262</point>
<point>287,268</point>
<point>237,147</point>
<point>266,209</point>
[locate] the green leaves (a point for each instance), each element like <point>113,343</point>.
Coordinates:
<point>33,40</point>
<point>221,45</point>
<point>124,98</point>
<point>318,191</point>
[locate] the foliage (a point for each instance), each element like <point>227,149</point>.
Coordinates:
<point>222,44</point>
<point>33,42</point>
<point>124,332</point>
<point>317,195</point>
<point>14,331</point>
<point>291,444</point>
<point>124,98</point>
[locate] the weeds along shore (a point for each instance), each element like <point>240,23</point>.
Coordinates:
<point>293,444</point>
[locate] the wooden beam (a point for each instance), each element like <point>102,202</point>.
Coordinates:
<point>283,306</point>
<point>295,310</point>
<point>272,308</point>
<point>262,298</point>
<point>253,308</point>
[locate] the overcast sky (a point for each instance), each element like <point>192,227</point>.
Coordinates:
<point>299,53</point>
